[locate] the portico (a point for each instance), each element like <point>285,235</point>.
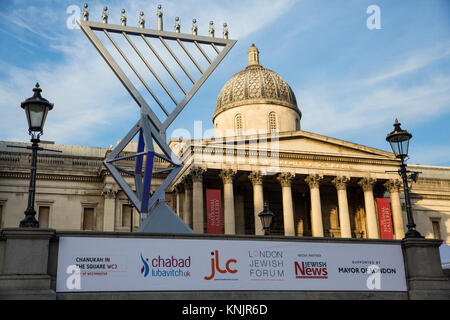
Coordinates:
<point>326,195</point>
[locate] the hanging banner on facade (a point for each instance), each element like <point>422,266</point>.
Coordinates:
<point>384,218</point>
<point>153,264</point>
<point>213,211</point>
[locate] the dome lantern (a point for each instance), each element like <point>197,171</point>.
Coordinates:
<point>253,56</point>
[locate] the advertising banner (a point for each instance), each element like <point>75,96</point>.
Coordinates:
<point>384,218</point>
<point>213,211</point>
<point>126,264</point>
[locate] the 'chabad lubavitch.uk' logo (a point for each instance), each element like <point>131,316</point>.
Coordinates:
<point>145,267</point>
<point>164,267</point>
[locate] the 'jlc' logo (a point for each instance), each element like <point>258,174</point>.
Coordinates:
<point>215,265</point>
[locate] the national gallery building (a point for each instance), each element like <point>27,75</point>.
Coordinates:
<point>315,185</point>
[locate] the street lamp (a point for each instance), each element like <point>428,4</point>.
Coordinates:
<point>399,141</point>
<point>266,217</point>
<point>36,109</point>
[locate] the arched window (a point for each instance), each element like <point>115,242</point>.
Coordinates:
<point>272,121</point>
<point>238,124</point>
<point>297,124</point>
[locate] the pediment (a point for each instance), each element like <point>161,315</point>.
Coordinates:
<point>304,142</point>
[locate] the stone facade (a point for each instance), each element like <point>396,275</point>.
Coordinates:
<point>330,194</point>
<point>316,185</point>
<point>74,190</point>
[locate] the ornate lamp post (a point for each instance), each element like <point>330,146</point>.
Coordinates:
<point>399,141</point>
<point>36,109</point>
<point>266,217</point>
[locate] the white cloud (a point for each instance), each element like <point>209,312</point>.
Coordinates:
<point>91,104</point>
<point>414,62</point>
<point>376,99</point>
<point>85,94</point>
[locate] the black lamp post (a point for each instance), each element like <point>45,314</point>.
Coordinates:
<point>266,217</point>
<point>399,141</point>
<point>36,109</point>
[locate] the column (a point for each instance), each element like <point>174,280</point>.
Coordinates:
<point>109,193</point>
<point>187,201</point>
<point>288,209</point>
<point>313,181</point>
<point>369,202</point>
<point>393,187</point>
<point>239,209</point>
<point>344,216</point>
<point>197,199</point>
<point>227,176</point>
<point>258,199</point>
<point>180,195</point>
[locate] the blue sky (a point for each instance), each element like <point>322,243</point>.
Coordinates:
<point>350,82</point>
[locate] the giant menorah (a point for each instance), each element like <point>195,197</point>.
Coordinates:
<point>156,215</point>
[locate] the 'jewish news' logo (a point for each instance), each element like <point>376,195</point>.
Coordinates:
<point>311,270</point>
<point>215,266</point>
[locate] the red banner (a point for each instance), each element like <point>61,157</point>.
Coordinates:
<point>384,218</point>
<point>213,211</point>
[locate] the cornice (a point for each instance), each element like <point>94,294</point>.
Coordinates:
<point>257,101</point>
<point>432,182</point>
<point>211,150</point>
<point>424,196</point>
<point>52,177</point>
<point>62,177</point>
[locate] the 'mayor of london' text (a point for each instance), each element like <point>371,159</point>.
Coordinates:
<point>366,270</point>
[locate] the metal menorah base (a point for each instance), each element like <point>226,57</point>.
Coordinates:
<point>163,220</point>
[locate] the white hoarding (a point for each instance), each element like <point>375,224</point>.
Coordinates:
<point>111,264</point>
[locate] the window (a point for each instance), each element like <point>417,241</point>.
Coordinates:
<point>44,212</point>
<point>297,124</point>
<point>1,215</point>
<point>436,228</point>
<point>126,215</point>
<point>88,219</point>
<point>272,122</point>
<point>238,124</point>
